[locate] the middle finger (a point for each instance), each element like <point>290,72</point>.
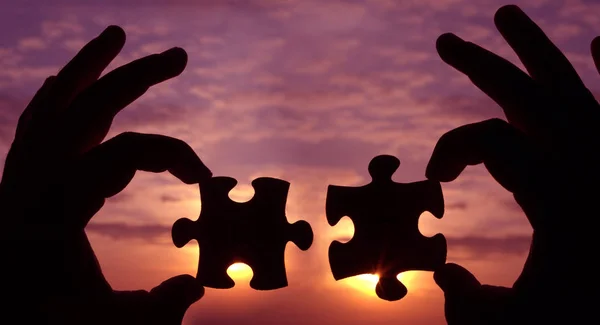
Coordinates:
<point>524,102</point>
<point>90,117</point>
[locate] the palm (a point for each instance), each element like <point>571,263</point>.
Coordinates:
<point>58,174</point>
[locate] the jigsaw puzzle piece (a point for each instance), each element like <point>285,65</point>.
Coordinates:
<point>217,212</point>
<point>272,232</point>
<point>386,240</point>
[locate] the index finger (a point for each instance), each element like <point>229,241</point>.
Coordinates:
<point>86,67</point>
<point>523,101</point>
<point>544,61</point>
<point>108,168</point>
<point>91,115</point>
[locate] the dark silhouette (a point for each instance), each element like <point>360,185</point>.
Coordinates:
<point>254,232</point>
<point>386,238</point>
<point>546,155</point>
<point>57,175</point>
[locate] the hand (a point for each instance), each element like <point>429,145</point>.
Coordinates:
<point>545,155</point>
<point>57,176</point>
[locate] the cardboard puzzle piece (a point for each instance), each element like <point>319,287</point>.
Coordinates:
<point>386,238</point>
<point>254,232</point>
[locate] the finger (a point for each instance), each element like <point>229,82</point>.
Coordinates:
<point>454,279</point>
<point>519,96</point>
<point>108,168</point>
<point>503,149</point>
<point>542,59</point>
<point>176,295</point>
<point>86,67</point>
<point>469,302</point>
<point>596,52</point>
<point>33,106</point>
<point>91,116</point>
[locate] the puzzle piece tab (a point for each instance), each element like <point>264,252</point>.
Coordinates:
<point>386,238</point>
<point>254,232</point>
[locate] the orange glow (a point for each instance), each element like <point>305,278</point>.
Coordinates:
<point>240,271</point>
<point>366,283</point>
<point>343,230</point>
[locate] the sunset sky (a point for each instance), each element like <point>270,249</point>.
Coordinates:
<point>307,91</point>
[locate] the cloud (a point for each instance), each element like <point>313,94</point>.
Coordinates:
<point>457,205</point>
<point>481,248</point>
<point>475,247</point>
<point>32,43</point>
<point>563,31</point>
<point>53,29</point>
<point>150,233</point>
<point>74,44</point>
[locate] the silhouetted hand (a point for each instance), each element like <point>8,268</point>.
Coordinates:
<point>57,175</point>
<point>546,156</point>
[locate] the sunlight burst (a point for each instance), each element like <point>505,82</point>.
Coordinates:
<point>366,283</point>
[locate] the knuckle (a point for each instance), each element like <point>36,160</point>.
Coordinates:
<point>496,123</point>
<point>128,137</point>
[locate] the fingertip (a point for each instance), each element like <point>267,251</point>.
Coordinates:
<point>434,172</point>
<point>596,46</point>
<point>205,175</point>
<point>196,290</point>
<point>453,278</point>
<point>188,167</point>
<point>49,80</point>
<point>193,289</point>
<point>507,13</point>
<point>447,39</point>
<point>446,42</point>
<point>440,168</point>
<point>430,172</point>
<point>113,33</point>
<point>182,290</point>
<point>454,51</point>
<point>177,58</point>
<point>202,173</point>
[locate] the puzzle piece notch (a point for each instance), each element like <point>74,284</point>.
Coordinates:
<point>254,232</point>
<point>386,240</point>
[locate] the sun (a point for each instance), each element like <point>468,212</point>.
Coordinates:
<point>365,283</point>
<point>240,271</point>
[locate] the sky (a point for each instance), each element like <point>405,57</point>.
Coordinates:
<point>303,90</point>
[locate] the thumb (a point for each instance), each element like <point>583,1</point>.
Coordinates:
<point>469,302</point>
<point>177,294</point>
<point>454,279</point>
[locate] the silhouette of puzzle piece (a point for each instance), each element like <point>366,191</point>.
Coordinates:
<point>386,238</point>
<point>254,232</point>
